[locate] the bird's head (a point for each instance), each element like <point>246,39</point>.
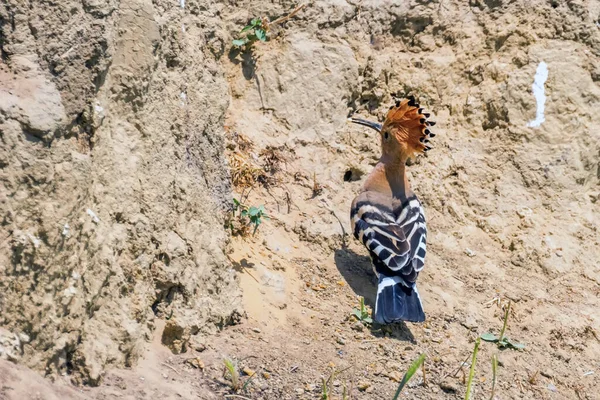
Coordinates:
<point>405,131</point>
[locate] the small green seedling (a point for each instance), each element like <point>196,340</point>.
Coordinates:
<point>409,374</point>
<point>503,342</point>
<point>472,371</point>
<point>256,30</point>
<point>243,216</point>
<point>326,384</point>
<point>362,314</point>
<point>256,215</point>
<point>494,372</point>
<point>234,375</point>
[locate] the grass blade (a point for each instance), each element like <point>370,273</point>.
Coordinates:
<point>472,371</point>
<point>505,322</point>
<point>411,371</point>
<point>494,371</point>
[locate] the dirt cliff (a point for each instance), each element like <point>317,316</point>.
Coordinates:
<point>137,137</point>
<point>114,183</point>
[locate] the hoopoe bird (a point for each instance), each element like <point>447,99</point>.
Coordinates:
<point>387,216</point>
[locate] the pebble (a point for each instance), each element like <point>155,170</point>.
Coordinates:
<point>358,326</point>
<point>340,340</point>
<point>395,376</point>
<point>266,375</point>
<point>299,391</point>
<point>469,252</point>
<point>552,388</point>
<point>547,373</point>
<point>448,385</point>
<point>363,385</point>
<point>256,330</point>
<point>196,362</point>
<point>248,371</point>
<point>525,212</point>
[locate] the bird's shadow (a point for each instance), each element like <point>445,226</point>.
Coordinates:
<point>358,272</point>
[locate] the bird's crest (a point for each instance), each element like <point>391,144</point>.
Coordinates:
<point>407,121</point>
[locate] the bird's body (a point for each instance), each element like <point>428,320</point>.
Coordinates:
<point>387,217</point>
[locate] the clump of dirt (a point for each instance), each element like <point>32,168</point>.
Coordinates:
<point>511,209</point>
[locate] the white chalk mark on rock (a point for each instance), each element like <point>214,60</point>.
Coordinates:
<point>36,242</point>
<point>541,75</point>
<point>93,215</point>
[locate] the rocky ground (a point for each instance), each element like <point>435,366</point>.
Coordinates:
<point>512,210</point>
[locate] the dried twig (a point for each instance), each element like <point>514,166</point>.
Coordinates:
<point>171,367</point>
<point>281,20</point>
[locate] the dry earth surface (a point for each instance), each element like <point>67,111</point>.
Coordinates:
<point>512,210</point>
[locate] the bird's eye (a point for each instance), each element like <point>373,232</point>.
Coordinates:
<point>386,135</point>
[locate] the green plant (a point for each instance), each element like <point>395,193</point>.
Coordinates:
<point>256,215</point>
<point>243,216</point>
<point>234,374</point>
<point>256,30</point>
<point>472,371</point>
<point>326,384</point>
<point>362,313</point>
<point>502,341</point>
<point>494,371</point>
<point>411,371</point>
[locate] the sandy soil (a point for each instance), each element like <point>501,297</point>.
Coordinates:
<point>512,210</point>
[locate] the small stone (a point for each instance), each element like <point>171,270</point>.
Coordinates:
<point>547,373</point>
<point>340,340</point>
<point>448,386</point>
<point>469,252</point>
<point>310,387</point>
<point>395,376</point>
<point>299,391</point>
<point>363,385</point>
<point>248,371</point>
<point>525,212</point>
<point>266,375</point>
<point>196,362</point>
<point>336,383</point>
<point>256,330</point>
<point>552,388</point>
<point>358,326</point>
<point>470,323</point>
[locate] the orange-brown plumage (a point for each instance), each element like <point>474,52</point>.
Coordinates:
<point>387,217</point>
<point>409,127</point>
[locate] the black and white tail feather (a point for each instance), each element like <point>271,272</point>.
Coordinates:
<point>397,244</point>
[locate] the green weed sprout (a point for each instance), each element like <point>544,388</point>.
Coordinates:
<point>234,374</point>
<point>256,30</point>
<point>472,371</point>
<point>494,372</point>
<point>411,371</point>
<point>362,314</point>
<point>256,215</point>
<point>503,342</point>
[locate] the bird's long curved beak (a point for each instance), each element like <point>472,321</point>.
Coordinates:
<point>372,125</point>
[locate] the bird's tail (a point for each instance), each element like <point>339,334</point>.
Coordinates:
<point>397,302</point>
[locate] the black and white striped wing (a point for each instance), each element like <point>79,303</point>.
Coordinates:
<point>411,218</point>
<point>396,241</point>
<point>375,226</point>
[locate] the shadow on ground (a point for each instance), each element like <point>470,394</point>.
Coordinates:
<point>358,273</point>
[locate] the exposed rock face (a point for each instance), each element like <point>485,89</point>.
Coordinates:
<point>112,181</point>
